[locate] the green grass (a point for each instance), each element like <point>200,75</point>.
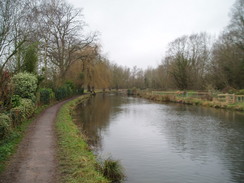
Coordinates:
<point>236,106</point>
<point>193,101</point>
<point>76,162</point>
<point>8,146</point>
<point>112,169</point>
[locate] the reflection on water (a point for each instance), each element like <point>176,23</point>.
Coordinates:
<point>166,143</point>
<point>95,118</point>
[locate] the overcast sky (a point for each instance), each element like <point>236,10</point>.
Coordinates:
<point>137,32</point>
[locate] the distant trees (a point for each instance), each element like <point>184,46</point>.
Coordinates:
<point>180,71</point>
<point>227,66</point>
<point>236,26</point>
<point>120,76</point>
<point>198,62</point>
<point>188,57</point>
<point>47,37</point>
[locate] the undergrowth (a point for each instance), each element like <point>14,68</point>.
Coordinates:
<point>8,145</point>
<point>112,170</point>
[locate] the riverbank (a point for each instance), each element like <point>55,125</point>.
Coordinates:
<point>191,101</point>
<point>76,162</point>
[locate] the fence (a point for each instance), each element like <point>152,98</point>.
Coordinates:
<point>230,98</point>
<point>227,98</point>
<point>193,94</point>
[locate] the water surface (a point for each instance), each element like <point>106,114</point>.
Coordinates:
<point>166,143</point>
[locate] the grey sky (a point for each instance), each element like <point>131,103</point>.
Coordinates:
<point>137,32</point>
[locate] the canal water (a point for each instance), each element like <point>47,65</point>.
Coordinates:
<point>165,143</point>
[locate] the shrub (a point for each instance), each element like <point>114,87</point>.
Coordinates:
<point>112,170</point>
<point>166,98</point>
<point>22,112</point>
<point>63,92</point>
<point>229,89</point>
<point>69,91</point>
<point>70,84</point>
<point>5,126</point>
<point>80,91</point>
<point>17,116</point>
<point>15,101</point>
<point>132,91</point>
<point>129,92</point>
<point>46,94</point>
<point>25,85</point>
<point>60,93</point>
<point>5,90</point>
<point>240,92</point>
<point>28,107</point>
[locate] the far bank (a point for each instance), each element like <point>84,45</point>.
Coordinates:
<point>221,101</point>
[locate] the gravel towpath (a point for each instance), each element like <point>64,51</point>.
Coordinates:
<point>35,160</point>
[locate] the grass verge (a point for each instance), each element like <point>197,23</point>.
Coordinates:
<point>193,101</point>
<point>8,146</point>
<point>76,162</point>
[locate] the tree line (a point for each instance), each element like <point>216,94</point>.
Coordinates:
<point>48,38</point>
<point>198,61</point>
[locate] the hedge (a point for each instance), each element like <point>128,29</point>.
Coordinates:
<point>46,95</point>
<point>22,112</point>
<point>25,85</point>
<point>5,126</point>
<point>63,92</point>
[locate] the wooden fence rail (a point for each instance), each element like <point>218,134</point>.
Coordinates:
<point>227,98</point>
<point>230,98</point>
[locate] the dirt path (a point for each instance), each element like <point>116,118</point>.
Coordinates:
<point>35,160</point>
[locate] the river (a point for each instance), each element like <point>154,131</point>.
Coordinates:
<point>165,143</point>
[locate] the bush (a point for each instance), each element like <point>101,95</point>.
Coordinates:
<point>15,101</point>
<point>70,84</point>
<point>28,107</point>
<point>5,90</point>
<point>46,94</point>
<point>240,92</point>
<point>5,126</point>
<point>112,170</point>
<point>17,116</point>
<point>25,85</point>
<point>22,112</point>
<point>60,93</point>
<point>166,98</point>
<point>129,92</point>
<point>132,91</point>
<point>80,91</point>
<point>63,92</point>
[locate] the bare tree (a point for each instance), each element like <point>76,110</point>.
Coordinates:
<point>236,27</point>
<point>227,66</point>
<point>188,57</point>
<point>62,34</point>
<point>11,36</point>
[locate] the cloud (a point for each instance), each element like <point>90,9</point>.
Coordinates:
<point>136,32</point>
